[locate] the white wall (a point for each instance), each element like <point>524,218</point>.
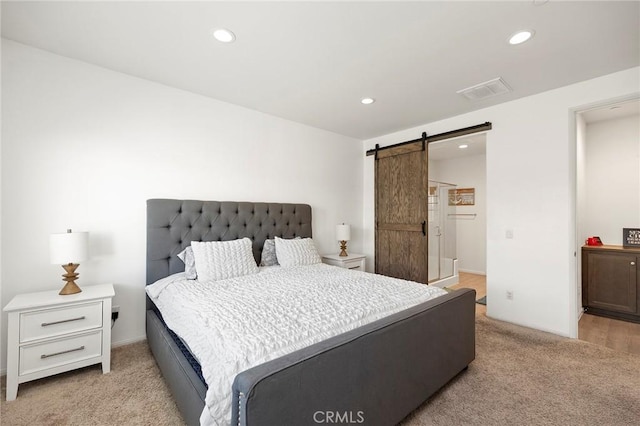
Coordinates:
<point>531,159</point>
<point>84,148</point>
<point>471,236</point>
<point>612,178</point>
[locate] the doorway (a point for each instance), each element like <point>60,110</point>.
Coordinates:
<point>458,166</point>
<point>401,185</point>
<point>607,200</point>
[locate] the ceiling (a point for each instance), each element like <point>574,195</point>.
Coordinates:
<point>450,148</point>
<point>312,62</point>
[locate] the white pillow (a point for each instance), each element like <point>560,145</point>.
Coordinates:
<point>219,260</point>
<point>296,252</point>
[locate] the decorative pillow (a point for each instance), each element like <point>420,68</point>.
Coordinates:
<point>269,253</point>
<point>189,260</point>
<point>296,252</point>
<point>219,260</point>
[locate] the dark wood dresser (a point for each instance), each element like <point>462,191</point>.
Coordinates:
<point>610,281</point>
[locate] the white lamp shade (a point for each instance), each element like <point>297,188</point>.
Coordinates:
<point>343,232</point>
<point>70,247</point>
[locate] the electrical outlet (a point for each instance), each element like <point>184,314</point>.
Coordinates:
<point>115,312</point>
<point>509,295</point>
<point>509,234</point>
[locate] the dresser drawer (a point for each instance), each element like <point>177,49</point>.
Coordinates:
<point>59,321</point>
<point>42,356</point>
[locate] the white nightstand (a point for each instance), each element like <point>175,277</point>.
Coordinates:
<point>49,334</point>
<point>352,261</point>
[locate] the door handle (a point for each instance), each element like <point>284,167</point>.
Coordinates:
<point>424,228</point>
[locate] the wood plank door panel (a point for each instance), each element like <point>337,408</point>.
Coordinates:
<point>401,212</point>
<point>403,256</point>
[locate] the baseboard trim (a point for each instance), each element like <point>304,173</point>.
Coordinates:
<point>469,271</point>
<point>531,326</point>
<point>128,341</point>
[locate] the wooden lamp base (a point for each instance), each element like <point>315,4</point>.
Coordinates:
<point>343,248</point>
<point>70,277</point>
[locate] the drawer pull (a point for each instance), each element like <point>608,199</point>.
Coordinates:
<point>45,324</point>
<point>355,267</point>
<point>61,353</point>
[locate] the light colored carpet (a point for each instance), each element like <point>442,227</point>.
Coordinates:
<point>133,393</point>
<point>526,377</point>
<point>520,377</point>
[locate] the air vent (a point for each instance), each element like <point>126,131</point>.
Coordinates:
<point>490,88</point>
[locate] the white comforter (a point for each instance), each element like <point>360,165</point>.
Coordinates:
<point>235,324</point>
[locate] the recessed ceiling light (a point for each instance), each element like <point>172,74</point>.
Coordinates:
<point>367,101</point>
<point>463,146</point>
<point>223,35</point>
<point>521,36</point>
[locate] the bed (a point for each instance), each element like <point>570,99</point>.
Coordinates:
<point>374,374</point>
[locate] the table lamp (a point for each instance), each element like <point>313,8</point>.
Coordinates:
<point>68,250</point>
<point>343,232</point>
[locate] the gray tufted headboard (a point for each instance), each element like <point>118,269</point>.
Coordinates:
<point>173,224</point>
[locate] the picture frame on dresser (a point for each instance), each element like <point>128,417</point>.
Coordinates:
<point>631,237</point>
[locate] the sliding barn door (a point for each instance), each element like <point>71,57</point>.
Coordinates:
<point>401,184</point>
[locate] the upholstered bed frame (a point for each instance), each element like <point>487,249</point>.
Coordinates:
<point>378,373</point>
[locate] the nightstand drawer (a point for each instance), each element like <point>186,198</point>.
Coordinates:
<point>42,356</point>
<point>355,264</point>
<point>56,322</point>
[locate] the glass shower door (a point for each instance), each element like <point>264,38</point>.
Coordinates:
<point>441,231</point>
